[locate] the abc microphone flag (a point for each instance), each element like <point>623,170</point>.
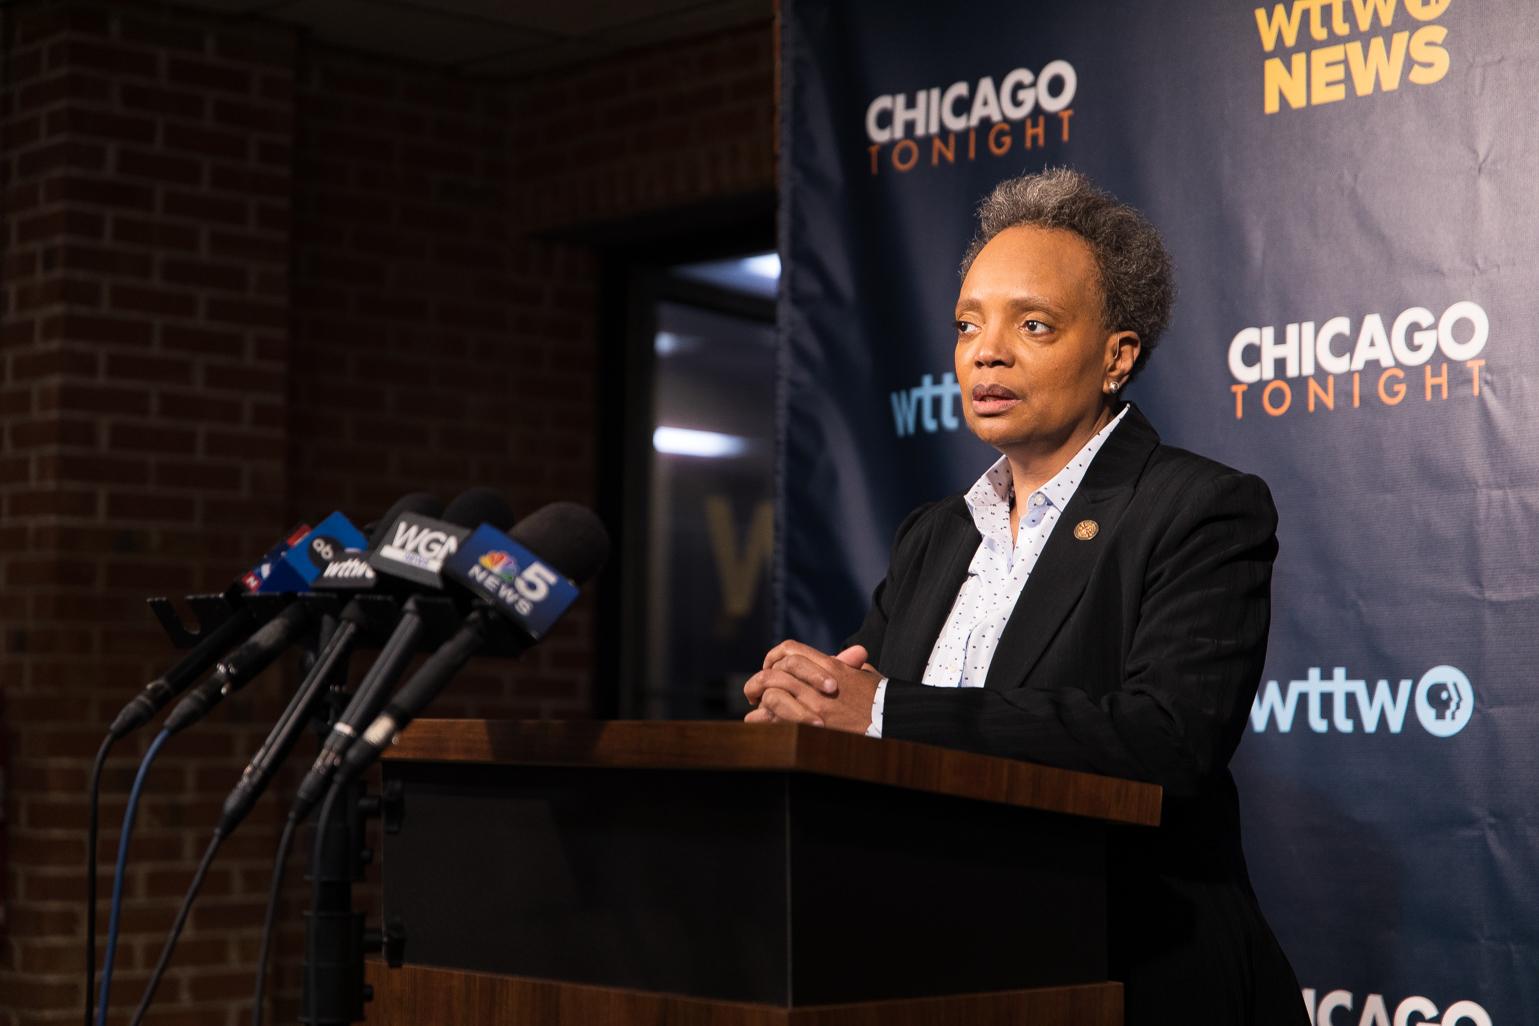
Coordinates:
<point>308,557</point>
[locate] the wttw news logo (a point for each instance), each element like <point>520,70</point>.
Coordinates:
<point>1443,700</point>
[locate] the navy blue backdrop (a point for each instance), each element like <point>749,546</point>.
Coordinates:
<point>1350,189</point>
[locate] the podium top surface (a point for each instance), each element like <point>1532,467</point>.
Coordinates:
<point>784,747</point>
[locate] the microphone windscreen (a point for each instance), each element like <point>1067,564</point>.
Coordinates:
<point>476,506</point>
<point>425,503</point>
<point>566,535</point>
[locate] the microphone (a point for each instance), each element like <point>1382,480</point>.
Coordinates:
<point>512,583</point>
<point>158,692</point>
<point>414,549</point>
<point>417,546</point>
<point>295,569</point>
<point>305,560</point>
<point>286,732</point>
<point>252,579</point>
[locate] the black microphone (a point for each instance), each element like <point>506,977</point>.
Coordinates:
<point>528,583</point>
<point>158,692</point>
<point>413,550</point>
<point>235,670</point>
<point>300,565</point>
<point>287,731</point>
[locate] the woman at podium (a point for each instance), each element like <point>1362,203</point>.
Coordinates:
<point>1096,600</point>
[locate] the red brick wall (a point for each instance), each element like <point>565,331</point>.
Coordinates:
<point>247,281</point>
<point>435,346</point>
<point>147,212</point>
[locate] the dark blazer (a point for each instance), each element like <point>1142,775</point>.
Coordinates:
<point>1136,653</point>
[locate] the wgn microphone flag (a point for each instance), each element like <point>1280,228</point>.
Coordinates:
<point>1347,190</point>
<point>416,548</point>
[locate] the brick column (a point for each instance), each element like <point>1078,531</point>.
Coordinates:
<point>146,165</point>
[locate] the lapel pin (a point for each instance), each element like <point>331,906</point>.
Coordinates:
<point>1086,530</point>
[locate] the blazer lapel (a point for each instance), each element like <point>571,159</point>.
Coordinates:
<point>906,655</point>
<point>1059,577</point>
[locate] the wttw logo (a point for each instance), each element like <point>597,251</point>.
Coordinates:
<point>1444,703</point>
<point>1413,1011</point>
<point>913,409</point>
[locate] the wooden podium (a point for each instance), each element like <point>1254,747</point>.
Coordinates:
<point>728,873</point>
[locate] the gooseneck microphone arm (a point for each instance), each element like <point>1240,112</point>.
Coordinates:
<point>240,666</point>
<point>362,707</point>
<point>416,693</point>
<point>427,682</point>
<point>158,692</point>
<point>286,732</point>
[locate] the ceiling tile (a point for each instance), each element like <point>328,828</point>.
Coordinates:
<point>699,19</point>
<point>406,30</point>
<point>499,38</point>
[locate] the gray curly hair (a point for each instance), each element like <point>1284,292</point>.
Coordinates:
<point>1137,282</point>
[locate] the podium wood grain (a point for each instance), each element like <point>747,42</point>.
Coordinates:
<point>786,747</point>
<point>418,996</point>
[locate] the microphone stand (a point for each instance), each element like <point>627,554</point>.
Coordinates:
<point>333,931</point>
<point>336,937</point>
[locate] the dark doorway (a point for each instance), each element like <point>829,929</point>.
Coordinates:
<point>690,484</point>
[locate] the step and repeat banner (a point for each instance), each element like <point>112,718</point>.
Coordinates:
<point>1350,190</point>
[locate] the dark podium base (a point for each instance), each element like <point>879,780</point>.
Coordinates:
<point>676,873</point>
<point>415,996</point>
<point>766,888</point>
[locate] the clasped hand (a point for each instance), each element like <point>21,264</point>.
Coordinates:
<point>799,684</point>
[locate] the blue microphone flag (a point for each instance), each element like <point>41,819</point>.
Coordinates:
<point>306,558</point>
<point>517,582</point>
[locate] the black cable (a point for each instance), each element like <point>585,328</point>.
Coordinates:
<point>91,831</point>
<point>176,928</point>
<point>279,864</point>
<point>317,885</point>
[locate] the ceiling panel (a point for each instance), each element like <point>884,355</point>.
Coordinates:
<point>407,31</point>
<point>499,38</point>
<point>574,17</point>
<point>696,20</point>
<point>229,6</point>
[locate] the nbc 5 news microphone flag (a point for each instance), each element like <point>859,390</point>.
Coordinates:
<point>514,580</point>
<point>1350,191</point>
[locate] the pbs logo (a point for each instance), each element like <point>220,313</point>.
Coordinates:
<point>1445,701</point>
